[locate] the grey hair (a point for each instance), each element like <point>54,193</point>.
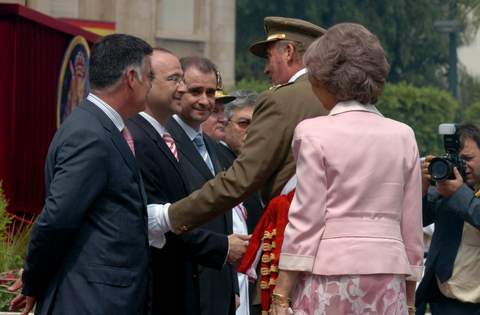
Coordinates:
<point>299,48</point>
<point>243,99</point>
<point>349,62</point>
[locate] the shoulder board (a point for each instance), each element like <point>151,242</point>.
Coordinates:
<point>276,87</point>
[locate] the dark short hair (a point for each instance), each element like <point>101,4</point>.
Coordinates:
<point>204,65</point>
<point>469,131</point>
<point>112,55</point>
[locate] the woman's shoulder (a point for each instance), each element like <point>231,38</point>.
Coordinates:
<point>398,126</point>
<point>314,123</point>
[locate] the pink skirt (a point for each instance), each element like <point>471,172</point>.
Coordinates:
<point>358,294</point>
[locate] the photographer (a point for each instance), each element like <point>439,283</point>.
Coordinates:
<point>451,284</point>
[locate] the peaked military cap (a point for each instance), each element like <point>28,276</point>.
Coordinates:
<point>278,28</point>
<point>222,98</point>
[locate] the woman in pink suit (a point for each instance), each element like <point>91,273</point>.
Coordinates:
<point>353,244</point>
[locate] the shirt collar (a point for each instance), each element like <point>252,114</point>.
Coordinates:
<point>349,106</point>
<point>108,110</point>
<point>191,133</point>
<point>155,124</point>
<point>297,75</point>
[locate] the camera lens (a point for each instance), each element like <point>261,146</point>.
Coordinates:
<point>439,169</point>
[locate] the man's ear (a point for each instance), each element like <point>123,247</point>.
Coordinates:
<point>289,52</point>
<point>131,77</point>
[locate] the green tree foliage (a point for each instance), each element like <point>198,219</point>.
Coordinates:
<point>251,85</point>
<point>469,87</point>
<point>417,51</point>
<point>472,114</point>
<point>423,109</point>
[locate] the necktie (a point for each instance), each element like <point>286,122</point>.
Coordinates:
<point>241,211</point>
<point>170,144</point>
<point>128,138</point>
<point>202,149</point>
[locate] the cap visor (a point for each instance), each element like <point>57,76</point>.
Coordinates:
<point>224,99</point>
<point>260,48</point>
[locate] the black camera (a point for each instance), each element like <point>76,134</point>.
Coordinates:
<point>441,167</point>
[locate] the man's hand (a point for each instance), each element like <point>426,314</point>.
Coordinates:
<point>237,301</point>
<point>21,301</point>
<point>425,175</point>
<point>446,188</point>
<point>27,302</point>
<point>237,246</point>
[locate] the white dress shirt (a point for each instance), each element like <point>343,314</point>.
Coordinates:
<point>297,75</point>
<point>108,110</point>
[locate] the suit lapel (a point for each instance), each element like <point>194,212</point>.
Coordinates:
<point>115,135</point>
<point>118,141</point>
<point>187,148</point>
<point>157,139</point>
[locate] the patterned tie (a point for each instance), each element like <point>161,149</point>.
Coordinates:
<point>202,149</point>
<point>170,144</point>
<point>241,211</point>
<point>128,138</point>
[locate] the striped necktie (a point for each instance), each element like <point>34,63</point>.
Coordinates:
<point>128,138</point>
<point>170,144</point>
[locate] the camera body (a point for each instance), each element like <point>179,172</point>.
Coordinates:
<point>441,167</point>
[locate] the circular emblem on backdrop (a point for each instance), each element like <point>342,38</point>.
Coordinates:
<point>73,86</point>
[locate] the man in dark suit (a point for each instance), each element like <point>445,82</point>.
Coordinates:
<point>451,284</point>
<point>88,252</point>
<point>199,160</point>
<point>174,263</point>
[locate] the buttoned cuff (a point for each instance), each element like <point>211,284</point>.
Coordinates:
<point>296,262</point>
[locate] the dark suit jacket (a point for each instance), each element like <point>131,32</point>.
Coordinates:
<point>449,216</point>
<point>88,252</point>
<point>217,288</point>
<point>174,267</point>
<point>252,204</point>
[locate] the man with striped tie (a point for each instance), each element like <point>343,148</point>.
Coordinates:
<point>174,259</point>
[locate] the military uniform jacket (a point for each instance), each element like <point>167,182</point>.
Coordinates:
<point>266,161</point>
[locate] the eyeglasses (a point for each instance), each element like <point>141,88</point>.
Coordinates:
<point>242,123</point>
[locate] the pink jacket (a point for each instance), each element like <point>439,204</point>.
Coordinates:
<point>357,206</point>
